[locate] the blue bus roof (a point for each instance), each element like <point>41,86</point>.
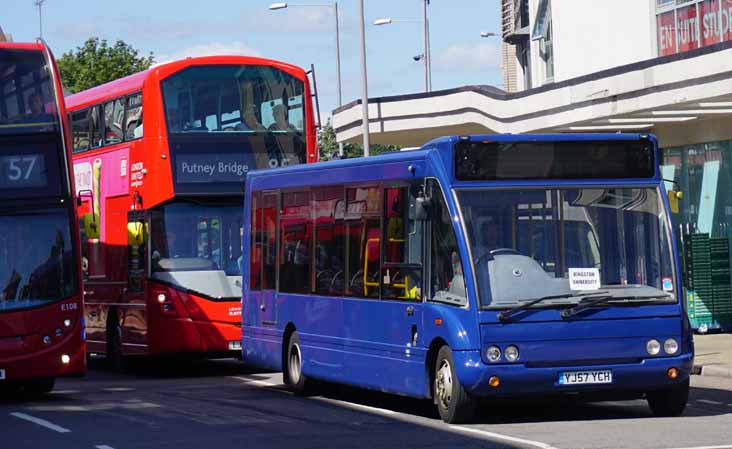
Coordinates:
<point>423,153</point>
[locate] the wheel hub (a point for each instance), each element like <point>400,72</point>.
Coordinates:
<point>295,364</point>
<point>443,384</point>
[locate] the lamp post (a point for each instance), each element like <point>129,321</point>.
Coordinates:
<point>426,42</point>
<point>364,82</point>
<point>334,7</point>
<point>39,4</point>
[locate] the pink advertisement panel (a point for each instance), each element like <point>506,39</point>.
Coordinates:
<point>102,176</point>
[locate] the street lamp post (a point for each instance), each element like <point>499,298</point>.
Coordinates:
<point>426,56</point>
<point>364,83</point>
<point>334,7</point>
<point>39,4</point>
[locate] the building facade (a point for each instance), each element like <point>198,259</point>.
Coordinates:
<point>657,66</point>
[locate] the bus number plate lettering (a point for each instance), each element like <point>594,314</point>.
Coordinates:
<point>2,374</point>
<point>586,377</point>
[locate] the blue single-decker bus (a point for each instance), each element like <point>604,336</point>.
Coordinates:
<point>477,266</point>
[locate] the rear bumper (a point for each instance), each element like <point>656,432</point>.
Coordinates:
<point>517,380</point>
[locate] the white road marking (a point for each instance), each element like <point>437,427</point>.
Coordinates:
<point>706,447</point>
<point>353,405</point>
<point>103,446</point>
<point>41,422</point>
<point>119,389</point>
<point>499,436</point>
<point>260,383</point>
<point>66,392</point>
<point>707,401</point>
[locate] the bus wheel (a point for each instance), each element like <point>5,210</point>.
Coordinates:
<point>115,359</point>
<point>453,403</point>
<point>669,402</point>
<point>39,386</point>
<point>292,370</point>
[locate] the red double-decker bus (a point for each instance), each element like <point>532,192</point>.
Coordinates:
<point>160,158</point>
<point>41,303</point>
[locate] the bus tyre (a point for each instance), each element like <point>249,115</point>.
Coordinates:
<point>40,386</point>
<point>669,402</point>
<point>292,369</point>
<point>115,359</point>
<point>454,404</point>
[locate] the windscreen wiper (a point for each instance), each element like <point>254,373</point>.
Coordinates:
<point>586,303</point>
<point>507,314</point>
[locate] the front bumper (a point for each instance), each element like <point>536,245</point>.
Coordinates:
<point>518,380</point>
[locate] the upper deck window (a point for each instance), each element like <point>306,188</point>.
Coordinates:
<point>233,98</point>
<point>492,161</point>
<point>27,102</point>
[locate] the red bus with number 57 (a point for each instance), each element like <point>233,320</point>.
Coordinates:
<point>160,158</point>
<point>41,303</point>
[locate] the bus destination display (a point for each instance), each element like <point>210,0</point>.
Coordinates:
<point>203,168</point>
<point>490,160</point>
<point>23,170</point>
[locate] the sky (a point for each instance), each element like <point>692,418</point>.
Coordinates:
<point>300,35</point>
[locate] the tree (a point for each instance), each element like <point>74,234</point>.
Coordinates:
<point>96,63</point>
<point>328,146</point>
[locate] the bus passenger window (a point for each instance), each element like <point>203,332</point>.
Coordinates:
<point>446,268</point>
<point>113,114</point>
<point>255,259</point>
<point>296,236</point>
<point>95,127</point>
<point>269,240</point>
<point>401,274</point>
<point>328,208</point>
<point>80,130</point>
<point>363,231</point>
<point>133,117</point>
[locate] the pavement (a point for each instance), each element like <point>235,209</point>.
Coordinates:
<point>713,355</point>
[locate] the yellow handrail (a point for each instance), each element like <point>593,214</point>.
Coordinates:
<point>367,283</point>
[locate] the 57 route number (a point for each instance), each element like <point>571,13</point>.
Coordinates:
<point>20,168</point>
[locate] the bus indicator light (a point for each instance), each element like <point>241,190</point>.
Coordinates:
<point>494,382</point>
<point>672,373</point>
<point>438,321</point>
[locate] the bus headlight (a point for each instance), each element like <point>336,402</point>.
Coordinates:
<point>493,353</point>
<point>511,353</point>
<point>67,322</point>
<point>670,346</point>
<point>653,347</point>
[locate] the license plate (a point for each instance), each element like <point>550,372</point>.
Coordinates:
<point>2,374</point>
<point>586,377</point>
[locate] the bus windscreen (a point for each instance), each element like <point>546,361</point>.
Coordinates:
<point>492,161</point>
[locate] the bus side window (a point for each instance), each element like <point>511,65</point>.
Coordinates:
<point>269,240</point>
<point>296,237</point>
<point>328,204</point>
<point>363,246</point>
<point>80,130</point>
<point>95,127</point>
<point>446,268</point>
<point>255,260</point>
<point>133,117</point>
<point>401,274</point>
